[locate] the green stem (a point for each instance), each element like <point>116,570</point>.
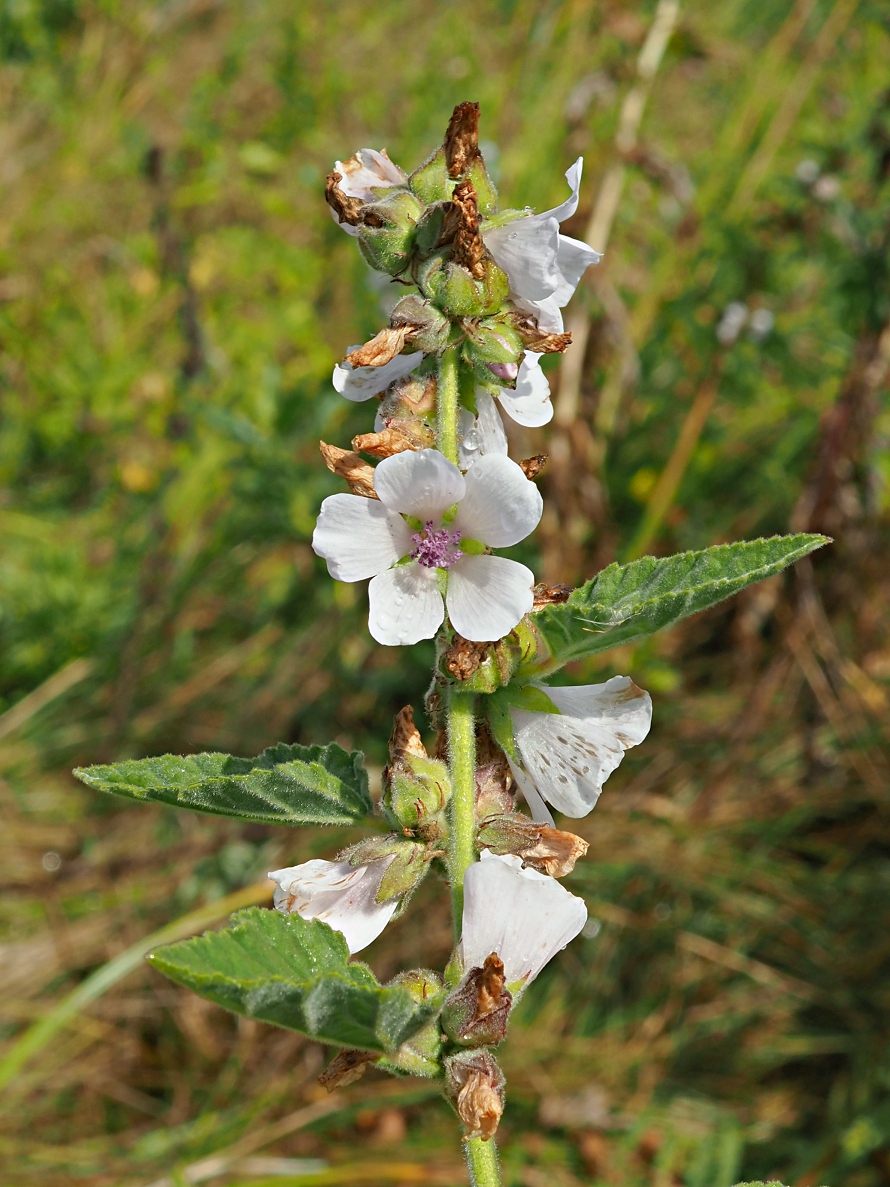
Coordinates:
<point>482,1159</point>
<point>462,755</point>
<point>447,403</point>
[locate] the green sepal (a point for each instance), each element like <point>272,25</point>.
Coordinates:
<point>430,181</point>
<point>408,863</point>
<point>529,698</point>
<point>388,248</point>
<point>492,340</point>
<point>486,194</point>
<point>466,389</point>
<point>498,707</point>
<point>432,329</point>
<point>296,973</point>
<point>292,785</point>
<point>429,228</point>
<point>628,602</point>
<point>456,292</point>
<point>419,1056</point>
<point>418,792</point>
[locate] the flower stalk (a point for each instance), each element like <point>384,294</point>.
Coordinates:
<point>447,401</point>
<point>482,1160</point>
<point>462,764</point>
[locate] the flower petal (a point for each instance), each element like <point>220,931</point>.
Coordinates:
<point>501,506</point>
<point>361,383</point>
<point>338,894</point>
<point>572,261</point>
<point>547,313</point>
<point>523,916</point>
<point>482,434</point>
<point>488,595</point>
<point>358,537</point>
<point>569,758</point>
<point>529,403</point>
<point>567,209</point>
<point>539,810</point>
<point>366,171</point>
<point>618,704</point>
<point>422,483</point>
<point>526,250</point>
<point>406,605</point>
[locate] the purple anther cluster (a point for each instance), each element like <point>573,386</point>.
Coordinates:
<point>436,549</point>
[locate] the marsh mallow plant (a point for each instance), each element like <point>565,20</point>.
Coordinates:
<point>431,497</point>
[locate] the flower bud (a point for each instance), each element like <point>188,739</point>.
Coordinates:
<point>481,667</point>
<point>419,1055</point>
<point>386,231</point>
<point>548,850</point>
<point>416,787</point>
<point>430,329</point>
<point>475,1085</point>
<point>494,350</point>
<point>476,1013</point>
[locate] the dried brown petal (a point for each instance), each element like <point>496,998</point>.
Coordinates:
<point>405,737</point>
<point>461,229</point>
<point>534,338</point>
<point>462,139</point>
<point>555,853</point>
<point>350,466</point>
<point>550,595</point>
<point>462,659</point>
<point>382,348</point>
<point>532,466</point>
<point>392,440</point>
<point>346,1068</point>
<point>492,986</point>
<point>348,210</point>
<point>475,1083</point>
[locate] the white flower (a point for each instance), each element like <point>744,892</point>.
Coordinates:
<point>529,402</point>
<point>368,170</point>
<point>566,757</point>
<point>543,266</point>
<point>486,595</point>
<point>523,916</point>
<point>361,383</point>
<point>339,894</point>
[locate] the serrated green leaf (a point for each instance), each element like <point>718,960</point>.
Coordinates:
<point>296,973</point>
<point>283,785</point>
<point>628,602</point>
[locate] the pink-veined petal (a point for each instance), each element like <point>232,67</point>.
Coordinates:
<point>421,483</point>
<point>488,595</point>
<point>501,506</point>
<point>359,537</point>
<point>405,605</point>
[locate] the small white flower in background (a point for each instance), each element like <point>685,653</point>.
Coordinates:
<point>361,383</point>
<point>566,757</point>
<point>760,324</point>
<point>368,170</point>
<point>523,916</point>
<point>543,266</point>
<point>732,322</point>
<point>486,596</point>
<point>341,895</point>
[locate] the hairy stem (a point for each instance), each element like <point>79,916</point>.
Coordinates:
<point>482,1159</point>
<point>447,403</point>
<point>462,761</point>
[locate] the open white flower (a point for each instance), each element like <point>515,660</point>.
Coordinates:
<point>410,564</point>
<point>361,383</point>
<point>566,757</point>
<point>543,266</point>
<point>529,402</point>
<point>368,170</point>
<point>339,894</point>
<point>523,916</point>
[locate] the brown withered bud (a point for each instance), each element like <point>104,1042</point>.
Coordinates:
<point>348,210</point>
<point>346,1068</point>
<point>461,229</point>
<point>550,595</point>
<point>350,466</point>
<point>462,659</point>
<point>405,737</point>
<point>396,439</point>
<point>475,1083</point>
<point>382,348</point>
<point>476,1013</point>
<point>462,139</point>
<point>532,466</point>
<point>548,850</point>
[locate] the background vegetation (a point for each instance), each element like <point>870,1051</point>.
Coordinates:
<point>173,295</point>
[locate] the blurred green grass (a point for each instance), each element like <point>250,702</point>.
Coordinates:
<point>173,295</point>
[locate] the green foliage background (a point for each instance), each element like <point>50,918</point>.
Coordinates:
<point>173,296</point>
